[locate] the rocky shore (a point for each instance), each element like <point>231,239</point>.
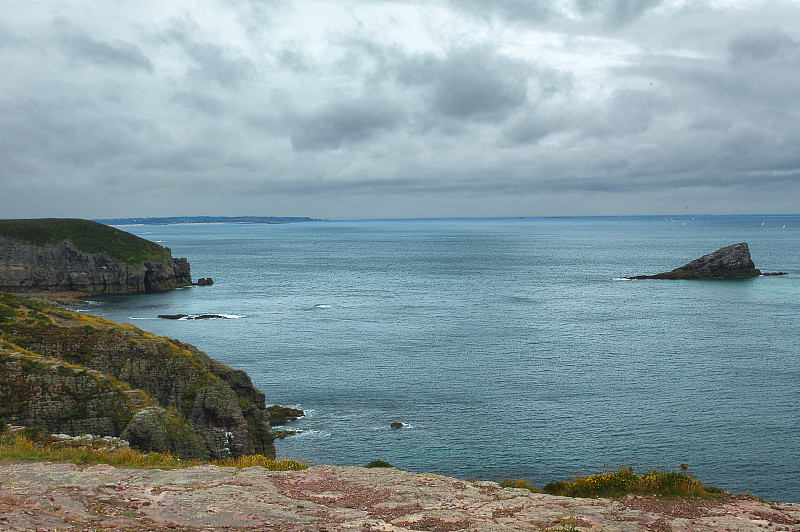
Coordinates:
<point>57,496</point>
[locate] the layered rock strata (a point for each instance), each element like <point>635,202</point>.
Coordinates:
<point>75,374</point>
<point>84,256</point>
<point>728,262</point>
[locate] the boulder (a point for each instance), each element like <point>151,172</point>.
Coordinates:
<point>729,262</point>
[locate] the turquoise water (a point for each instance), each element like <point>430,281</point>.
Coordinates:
<point>509,347</point>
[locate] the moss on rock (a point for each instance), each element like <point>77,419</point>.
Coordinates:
<point>86,368</point>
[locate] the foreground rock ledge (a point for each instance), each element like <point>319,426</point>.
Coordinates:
<point>728,262</point>
<point>58,496</point>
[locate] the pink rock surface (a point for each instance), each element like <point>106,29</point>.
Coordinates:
<point>58,496</point>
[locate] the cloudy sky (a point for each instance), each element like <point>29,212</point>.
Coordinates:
<point>380,109</point>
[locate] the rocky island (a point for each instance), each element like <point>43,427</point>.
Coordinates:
<point>73,255</point>
<point>728,262</point>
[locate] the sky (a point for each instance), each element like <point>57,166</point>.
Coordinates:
<point>398,109</point>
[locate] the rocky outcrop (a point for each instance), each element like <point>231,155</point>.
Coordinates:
<point>63,397</point>
<point>59,496</point>
<point>728,262</point>
<point>75,374</point>
<point>84,256</point>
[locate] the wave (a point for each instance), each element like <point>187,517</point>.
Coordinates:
<point>323,306</point>
<point>312,433</point>
<point>621,279</point>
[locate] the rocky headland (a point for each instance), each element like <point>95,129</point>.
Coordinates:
<point>73,373</point>
<point>729,262</point>
<point>72,255</point>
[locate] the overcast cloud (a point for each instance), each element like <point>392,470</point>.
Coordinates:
<point>357,109</point>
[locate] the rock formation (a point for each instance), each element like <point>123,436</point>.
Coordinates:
<point>75,374</point>
<point>728,262</point>
<point>59,496</point>
<point>84,256</point>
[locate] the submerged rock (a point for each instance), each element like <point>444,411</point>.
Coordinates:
<point>279,415</point>
<point>729,262</point>
<point>190,317</point>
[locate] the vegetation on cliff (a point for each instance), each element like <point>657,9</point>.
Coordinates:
<point>36,444</point>
<point>85,235</point>
<point>75,373</point>
<point>624,481</point>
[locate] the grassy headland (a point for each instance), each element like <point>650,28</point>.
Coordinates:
<point>85,235</point>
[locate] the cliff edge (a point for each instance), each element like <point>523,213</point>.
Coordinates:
<point>75,374</point>
<point>54,254</point>
<point>55,496</point>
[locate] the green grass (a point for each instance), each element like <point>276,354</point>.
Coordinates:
<point>378,463</point>
<point>85,235</point>
<point>20,447</point>
<point>624,481</point>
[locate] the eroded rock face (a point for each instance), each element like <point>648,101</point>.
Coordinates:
<point>62,267</point>
<point>76,374</point>
<point>728,262</point>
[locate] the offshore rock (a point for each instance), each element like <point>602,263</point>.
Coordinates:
<point>84,256</point>
<point>728,262</point>
<point>74,373</point>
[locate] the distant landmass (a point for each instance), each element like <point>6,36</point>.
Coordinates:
<point>167,220</point>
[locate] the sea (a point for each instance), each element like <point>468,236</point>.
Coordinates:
<point>507,348</point>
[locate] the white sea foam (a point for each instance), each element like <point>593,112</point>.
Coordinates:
<point>313,433</point>
<point>621,279</point>
<point>323,306</point>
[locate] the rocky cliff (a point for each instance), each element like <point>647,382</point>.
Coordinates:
<point>728,262</point>
<point>84,256</point>
<point>72,373</point>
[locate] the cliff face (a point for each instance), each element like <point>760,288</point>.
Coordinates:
<point>78,255</point>
<point>76,374</point>
<point>728,262</point>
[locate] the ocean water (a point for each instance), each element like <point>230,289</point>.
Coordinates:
<point>507,347</point>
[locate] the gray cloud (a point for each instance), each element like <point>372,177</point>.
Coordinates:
<point>209,62</point>
<point>469,83</point>
<point>616,13</point>
<point>566,14</point>
<point>765,44</point>
<point>538,11</point>
<point>343,122</point>
<point>80,46</point>
<point>399,108</point>
<point>199,102</point>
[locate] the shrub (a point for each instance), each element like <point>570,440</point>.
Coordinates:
<point>378,463</point>
<point>518,483</point>
<point>624,481</point>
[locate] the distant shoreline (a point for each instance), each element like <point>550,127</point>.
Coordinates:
<point>176,220</point>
